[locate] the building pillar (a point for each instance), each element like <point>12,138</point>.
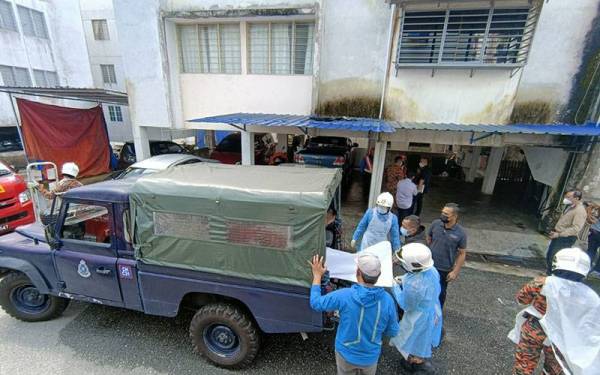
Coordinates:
<point>209,139</point>
<point>491,171</point>
<point>247,148</point>
<point>141,143</point>
<point>377,175</point>
<point>282,142</point>
<point>473,164</point>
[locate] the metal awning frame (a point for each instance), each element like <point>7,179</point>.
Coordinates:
<point>78,94</point>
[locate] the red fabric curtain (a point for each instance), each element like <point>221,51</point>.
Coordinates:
<point>62,134</point>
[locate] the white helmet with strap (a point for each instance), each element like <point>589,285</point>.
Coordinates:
<point>415,257</point>
<point>572,259</point>
<point>70,169</point>
<point>385,200</point>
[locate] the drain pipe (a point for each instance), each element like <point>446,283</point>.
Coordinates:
<point>387,59</point>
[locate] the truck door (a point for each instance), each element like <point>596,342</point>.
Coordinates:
<point>86,258</point>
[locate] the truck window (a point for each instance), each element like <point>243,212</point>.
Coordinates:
<point>126,226</point>
<point>86,222</point>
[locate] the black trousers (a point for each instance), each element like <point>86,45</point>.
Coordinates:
<point>402,213</point>
<point>557,244</point>
<point>593,245</point>
<point>444,285</point>
<point>418,204</point>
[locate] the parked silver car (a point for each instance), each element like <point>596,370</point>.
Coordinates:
<point>158,163</point>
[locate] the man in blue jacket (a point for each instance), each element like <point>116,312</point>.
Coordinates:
<point>367,313</point>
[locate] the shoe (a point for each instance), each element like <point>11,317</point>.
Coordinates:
<point>424,368</point>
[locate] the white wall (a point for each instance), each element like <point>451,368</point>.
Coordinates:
<point>557,50</point>
<point>64,52</point>
<point>451,95</point>
<point>217,94</point>
<point>106,52</point>
<point>355,36</point>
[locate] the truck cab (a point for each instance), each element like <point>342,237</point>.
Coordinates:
<point>96,251</point>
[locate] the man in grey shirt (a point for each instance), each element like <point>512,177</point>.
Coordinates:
<point>448,243</point>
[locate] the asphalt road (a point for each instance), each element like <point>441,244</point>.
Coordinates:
<point>92,339</point>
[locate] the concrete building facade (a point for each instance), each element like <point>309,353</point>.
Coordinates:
<point>454,61</point>
<point>102,41</point>
<point>42,45</point>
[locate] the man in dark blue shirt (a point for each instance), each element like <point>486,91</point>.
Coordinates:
<point>448,243</point>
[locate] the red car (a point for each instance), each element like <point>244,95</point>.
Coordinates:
<point>16,206</point>
<point>229,150</point>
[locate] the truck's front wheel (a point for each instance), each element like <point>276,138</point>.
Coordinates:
<point>20,299</point>
<point>225,335</point>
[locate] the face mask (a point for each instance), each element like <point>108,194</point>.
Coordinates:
<point>444,218</point>
<point>403,231</point>
<point>421,165</point>
<point>382,210</point>
<point>567,202</point>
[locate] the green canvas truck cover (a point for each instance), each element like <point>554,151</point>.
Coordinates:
<point>255,222</point>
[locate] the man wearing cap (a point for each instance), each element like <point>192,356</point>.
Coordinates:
<point>367,313</point>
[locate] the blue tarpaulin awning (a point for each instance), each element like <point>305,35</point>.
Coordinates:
<point>589,129</point>
<point>359,124</point>
<point>356,124</point>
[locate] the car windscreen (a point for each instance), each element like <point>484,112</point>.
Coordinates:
<point>231,143</point>
<point>135,172</point>
<point>4,170</point>
<point>327,142</point>
<point>161,148</point>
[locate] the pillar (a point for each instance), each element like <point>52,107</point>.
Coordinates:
<point>247,148</point>
<point>141,142</point>
<point>473,164</point>
<point>209,139</point>
<point>491,171</point>
<point>377,175</point>
<point>282,142</point>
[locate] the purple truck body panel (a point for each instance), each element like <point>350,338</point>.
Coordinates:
<point>107,273</point>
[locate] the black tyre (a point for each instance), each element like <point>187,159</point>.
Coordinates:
<point>20,299</point>
<point>225,335</point>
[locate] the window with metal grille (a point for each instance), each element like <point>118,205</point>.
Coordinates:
<point>100,28</point>
<point>280,48</point>
<point>259,234</point>
<point>496,36</point>
<point>33,22</point>
<point>193,227</point>
<point>7,17</point>
<point>14,76</point>
<point>114,113</point>
<point>214,48</point>
<point>108,74</point>
<point>44,78</point>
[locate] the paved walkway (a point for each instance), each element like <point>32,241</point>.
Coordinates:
<point>495,225</point>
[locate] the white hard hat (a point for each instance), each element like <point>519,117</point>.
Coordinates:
<point>71,169</point>
<point>385,200</point>
<point>572,259</point>
<point>416,257</point>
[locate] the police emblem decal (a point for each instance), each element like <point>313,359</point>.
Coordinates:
<point>83,269</point>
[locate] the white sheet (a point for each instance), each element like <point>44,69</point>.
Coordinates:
<point>342,265</point>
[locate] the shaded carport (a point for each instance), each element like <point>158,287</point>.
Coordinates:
<point>565,137</point>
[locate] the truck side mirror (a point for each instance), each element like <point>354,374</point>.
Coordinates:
<point>355,144</point>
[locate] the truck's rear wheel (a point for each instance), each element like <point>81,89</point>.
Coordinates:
<point>20,299</point>
<point>225,335</point>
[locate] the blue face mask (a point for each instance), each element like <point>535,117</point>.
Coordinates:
<point>403,231</point>
<point>382,210</point>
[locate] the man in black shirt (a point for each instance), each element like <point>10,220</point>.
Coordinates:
<point>448,243</point>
